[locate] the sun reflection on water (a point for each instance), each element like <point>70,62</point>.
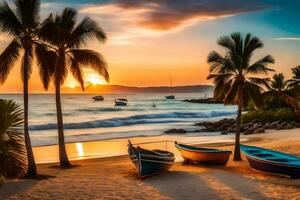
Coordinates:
<point>79,148</point>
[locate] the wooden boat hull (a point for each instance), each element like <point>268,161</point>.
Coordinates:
<point>272,167</point>
<point>148,163</point>
<point>203,155</point>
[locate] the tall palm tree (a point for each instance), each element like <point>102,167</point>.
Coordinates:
<point>235,79</point>
<point>22,24</point>
<point>295,80</point>
<point>12,148</point>
<point>279,88</point>
<point>65,39</point>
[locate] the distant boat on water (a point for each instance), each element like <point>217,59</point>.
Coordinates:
<point>150,162</point>
<point>203,155</point>
<point>98,98</point>
<point>169,97</point>
<point>270,161</point>
<point>121,102</point>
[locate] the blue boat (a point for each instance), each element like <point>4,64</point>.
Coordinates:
<point>150,162</point>
<point>271,161</point>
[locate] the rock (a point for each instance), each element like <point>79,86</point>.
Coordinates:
<point>207,101</point>
<point>259,130</point>
<point>279,127</point>
<point>174,130</point>
<point>274,124</point>
<point>248,132</point>
<point>289,126</point>
<point>266,127</point>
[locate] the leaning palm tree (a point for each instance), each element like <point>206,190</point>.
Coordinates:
<point>236,80</point>
<point>279,88</point>
<point>65,39</point>
<point>12,148</point>
<point>295,80</point>
<point>21,24</point>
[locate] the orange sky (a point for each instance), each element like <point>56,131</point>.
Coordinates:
<point>149,51</point>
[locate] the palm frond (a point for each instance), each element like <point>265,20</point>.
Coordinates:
<point>49,32</point>
<point>252,91</point>
<point>261,66</point>
<point>12,148</point>
<point>66,20</point>
<point>28,12</point>
<point>87,29</point>
<point>238,40</point>
<point>77,72</point>
<point>9,23</point>
<point>219,64</point>
<point>46,60</point>
<point>251,44</point>
<point>263,82</point>
<point>295,80</point>
<point>91,58</point>
<point>278,82</point>
<point>26,66</point>
<point>8,58</point>
<point>231,97</point>
<point>227,42</point>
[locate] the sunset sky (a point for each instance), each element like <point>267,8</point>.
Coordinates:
<point>150,42</point>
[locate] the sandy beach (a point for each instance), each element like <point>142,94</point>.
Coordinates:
<point>115,177</point>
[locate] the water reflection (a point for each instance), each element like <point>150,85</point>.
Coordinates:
<point>79,148</point>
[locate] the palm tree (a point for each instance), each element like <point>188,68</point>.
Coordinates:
<point>12,148</point>
<point>279,88</point>
<point>64,40</point>
<point>295,80</point>
<point>235,79</point>
<point>22,25</point>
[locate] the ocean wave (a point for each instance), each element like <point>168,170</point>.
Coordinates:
<point>136,119</point>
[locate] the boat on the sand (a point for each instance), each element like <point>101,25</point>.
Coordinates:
<point>197,154</point>
<point>270,161</point>
<point>150,162</point>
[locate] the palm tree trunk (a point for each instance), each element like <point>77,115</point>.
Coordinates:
<point>63,157</point>
<point>237,151</point>
<point>31,169</point>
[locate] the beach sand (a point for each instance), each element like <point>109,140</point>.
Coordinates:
<point>116,178</point>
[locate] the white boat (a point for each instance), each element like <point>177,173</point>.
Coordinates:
<point>120,102</point>
<point>98,98</point>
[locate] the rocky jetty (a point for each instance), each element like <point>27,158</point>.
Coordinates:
<point>176,131</point>
<point>208,101</point>
<point>254,127</point>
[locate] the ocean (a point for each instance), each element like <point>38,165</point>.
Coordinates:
<point>88,120</point>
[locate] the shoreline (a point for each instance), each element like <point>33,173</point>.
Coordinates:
<point>116,178</point>
<point>115,147</point>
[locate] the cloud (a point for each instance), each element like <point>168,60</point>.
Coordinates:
<point>288,38</point>
<point>154,17</point>
<point>168,14</point>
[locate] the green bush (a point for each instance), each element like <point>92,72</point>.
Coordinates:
<point>271,103</point>
<point>282,114</point>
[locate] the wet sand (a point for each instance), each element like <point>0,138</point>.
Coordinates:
<point>115,178</point>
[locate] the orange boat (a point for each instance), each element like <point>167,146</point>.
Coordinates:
<point>203,155</point>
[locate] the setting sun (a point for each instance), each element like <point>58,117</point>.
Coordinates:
<point>95,79</point>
